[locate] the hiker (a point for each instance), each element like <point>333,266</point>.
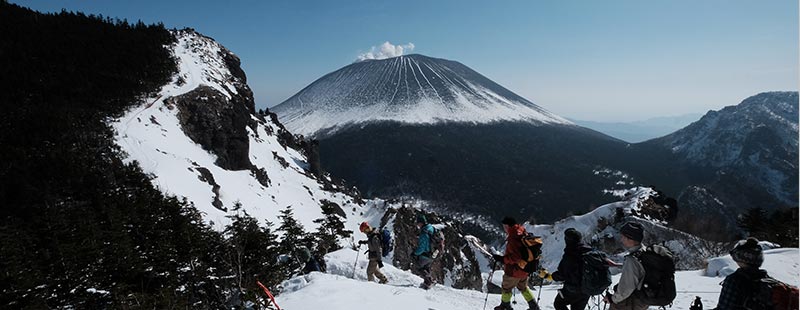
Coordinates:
<point>569,271</point>
<point>738,287</point>
<point>513,275</point>
<point>311,264</point>
<point>423,253</point>
<point>633,273</point>
<point>374,255</point>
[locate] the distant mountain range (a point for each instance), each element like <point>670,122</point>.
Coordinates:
<point>643,130</point>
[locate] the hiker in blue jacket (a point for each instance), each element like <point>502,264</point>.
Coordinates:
<point>423,253</point>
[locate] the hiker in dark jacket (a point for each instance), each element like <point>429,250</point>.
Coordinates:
<point>513,275</point>
<point>310,264</point>
<point>569,271</point>
<point>739,286</point>
<point>374,252</point>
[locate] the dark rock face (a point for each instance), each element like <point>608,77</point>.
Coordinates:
<point>217,124</point>
<point>458,261</point>
<point>208,177</point>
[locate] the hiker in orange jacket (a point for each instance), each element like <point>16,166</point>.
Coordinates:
<point>513,275</point>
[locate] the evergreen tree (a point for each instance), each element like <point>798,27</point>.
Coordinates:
<point>330,229</point>
<point>294,237</point>
<point>251,255</point>
<point>754,222</point>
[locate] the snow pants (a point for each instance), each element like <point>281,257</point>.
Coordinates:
<point>373,270</point>
<point>575,300</point>
<point>423,267</point>
<point>508,285</point>
<point>630,303</point>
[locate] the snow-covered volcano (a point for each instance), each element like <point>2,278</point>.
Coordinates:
<point>408,89</point>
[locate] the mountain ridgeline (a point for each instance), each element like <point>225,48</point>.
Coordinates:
<point>412,89</point>
<point>454,139</point>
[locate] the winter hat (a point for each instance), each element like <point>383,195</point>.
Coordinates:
<point>572,236</point>
<point>633,231</point>
<point>509,221</point>
<point>422,219</point>
<point>748,252</point>
<point>364,227</point>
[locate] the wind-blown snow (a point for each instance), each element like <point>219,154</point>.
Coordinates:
<point>152,135</point>
<point>412,89</point>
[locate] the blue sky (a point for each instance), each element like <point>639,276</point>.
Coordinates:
<point>592,60</point>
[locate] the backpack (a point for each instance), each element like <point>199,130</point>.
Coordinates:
<point>595,276</point>
<point>436,242</point>
<point>773,294</point>
<point>530,252</point>
<point>386,242</point>
<point>659,276</point>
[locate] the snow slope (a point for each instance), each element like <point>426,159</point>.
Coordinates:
<point>413,89</point>
<point>151,135</point>
<point>600,229</point>
<point>339,291</point>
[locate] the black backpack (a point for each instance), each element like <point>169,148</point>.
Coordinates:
<point>595,276</point>
<point>659,276</point>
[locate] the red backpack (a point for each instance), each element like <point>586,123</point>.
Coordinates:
<point>773,294</point>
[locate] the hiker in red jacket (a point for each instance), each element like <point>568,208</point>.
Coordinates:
<point>513,275</point>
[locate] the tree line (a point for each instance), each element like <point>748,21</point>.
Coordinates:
<point>81,228</point>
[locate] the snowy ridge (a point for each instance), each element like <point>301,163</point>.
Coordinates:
<point>151,134</point>
<point>412,89</point>
<point>758,138</point>
<point>718,137</point>
<point>600,228</point>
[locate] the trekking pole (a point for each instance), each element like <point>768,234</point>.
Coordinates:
<point>358,251</point>
<point>485,300</point>
<point>514,295</point>
<point>539,298</point>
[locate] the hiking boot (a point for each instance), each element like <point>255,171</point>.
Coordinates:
<point>425,286</point>
<point>504,306</point>
<point>532,305</point>
<point>383,280</point>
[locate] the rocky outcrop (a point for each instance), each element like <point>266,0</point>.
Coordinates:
<point>456,267</point>
<point>218,125</point>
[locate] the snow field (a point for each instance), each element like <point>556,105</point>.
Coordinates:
<point>339,291</point>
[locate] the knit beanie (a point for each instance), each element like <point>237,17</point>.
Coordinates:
<point>633,231</point>
<point>509,221</point>
<point>422,219</point>
<point>572,236</point>
<point>364,227</point>
<point>748,252</point>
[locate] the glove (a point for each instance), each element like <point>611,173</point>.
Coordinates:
<point>497,258</point>
<point>543,273</point>
<point>362,241</point>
